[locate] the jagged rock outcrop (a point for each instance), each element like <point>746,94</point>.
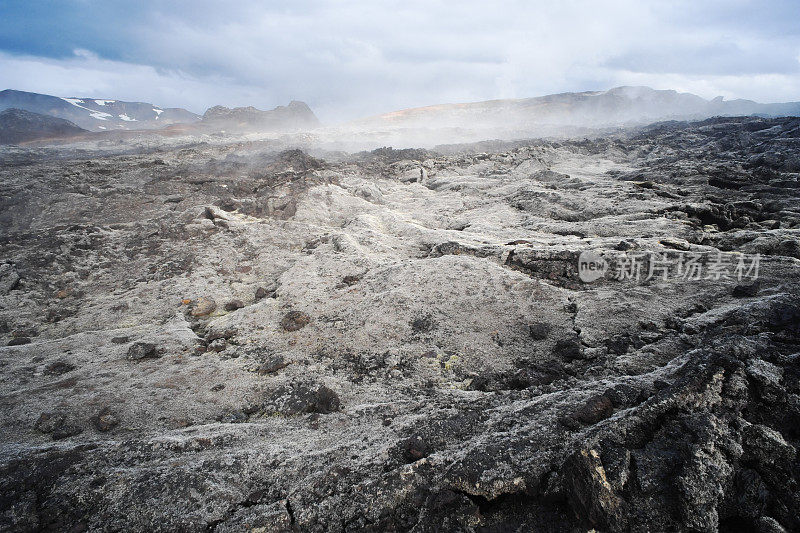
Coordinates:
<point>295,116</point>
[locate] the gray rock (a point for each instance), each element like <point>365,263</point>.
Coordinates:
<point>8,278</point>
<point>233,305</point>
<point>538,331</point>
<point>142,350</point>
<point>427,395</point>
<point>217,345</point>
<point>105,420</point>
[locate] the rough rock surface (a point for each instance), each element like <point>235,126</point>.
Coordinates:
<point>410,354</point>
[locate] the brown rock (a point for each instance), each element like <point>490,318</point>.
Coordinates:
<point>233,305</point>
<point>294,320</point>
<point>272,365</point>
<point>595,409</point>
<point>105,420</point>
<point>204,306</point>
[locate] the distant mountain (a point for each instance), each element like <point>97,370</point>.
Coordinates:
<point>18,125</point>
<point>615,107</point>
<point>95,114</point>
<point>295,116</point>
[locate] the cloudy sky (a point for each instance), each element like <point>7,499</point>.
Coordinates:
<point>352,58</point>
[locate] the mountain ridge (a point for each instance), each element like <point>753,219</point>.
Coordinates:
<point>625,105</point>
<point>97,114</point>
<point>19,125</point>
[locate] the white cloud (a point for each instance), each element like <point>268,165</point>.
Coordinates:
<point>88,76</point>
<point>350,59</point>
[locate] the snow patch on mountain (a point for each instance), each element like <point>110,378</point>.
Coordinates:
<point>99,115</point>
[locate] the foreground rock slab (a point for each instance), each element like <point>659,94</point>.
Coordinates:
<point>230,336</point>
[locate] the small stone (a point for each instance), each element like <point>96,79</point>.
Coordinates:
<point>272,365</point>
<point>675,243</point>
<point>255,497</point>
<point>538,331</point>
<point>204,306</point>
<point>19,341</point>
<point>58,368</point>
<point>594,410</point>
<point>351,280</point>
<point>568,349</point>
<point>618,344</point>
<point>217,345</point>
<point>262,293</point>
<point>226,334</point>
<point>56,425</point>
<point>295,320</point>
<point>66,431</point>
<point>105,420</point>
<point>743,290</point>
<point>218,387</point>
<point>142,350</point>
<point>623,395</point>
<point>327,400</point>
<point>48,422</point>
<point>231,416</point>
<point>415,448</point>
<point>660,384</point>
<point>303,398</point>
<point>422,324</point>
<point>233,305</point>
<point>8,278</point>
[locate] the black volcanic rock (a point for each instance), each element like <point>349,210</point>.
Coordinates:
<point>295,116</point>
<point>18,125</point>
<point>96,114</point>
<point>467,381</point>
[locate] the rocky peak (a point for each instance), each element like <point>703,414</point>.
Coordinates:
<point>295,116</point>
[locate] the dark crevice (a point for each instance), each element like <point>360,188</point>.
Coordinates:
<point>290,511</point>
